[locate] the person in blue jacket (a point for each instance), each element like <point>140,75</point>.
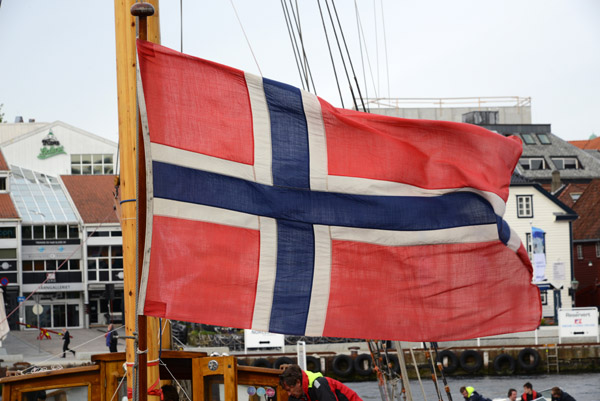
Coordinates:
<point>471,395</point>
<point>559,395</point>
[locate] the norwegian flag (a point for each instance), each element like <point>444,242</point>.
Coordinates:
<point>273,210</point>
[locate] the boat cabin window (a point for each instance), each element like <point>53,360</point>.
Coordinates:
<point>215,389</point>
<point>79,393</point>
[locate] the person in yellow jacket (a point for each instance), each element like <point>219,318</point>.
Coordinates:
<point>471,395</point>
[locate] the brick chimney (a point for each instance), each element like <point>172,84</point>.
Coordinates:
<point>556,184</point>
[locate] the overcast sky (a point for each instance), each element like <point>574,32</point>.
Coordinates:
<point>58,57</point>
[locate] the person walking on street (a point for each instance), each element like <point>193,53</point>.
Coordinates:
<point>471,395</point>
<point>111,338</point>
<point>305,385</point>
<point>66,342</point>
<point>529,393</point>
<point>559,395</point>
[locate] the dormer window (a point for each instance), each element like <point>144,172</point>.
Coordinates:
<point>566,163</point>
<point>3,184</point>
<point>528,139</point>
<point>532,163</point>
<point>544,139</point>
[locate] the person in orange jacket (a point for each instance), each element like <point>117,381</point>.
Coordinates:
<point>529,393</point>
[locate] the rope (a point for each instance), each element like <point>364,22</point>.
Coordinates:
<point>245,36</point>
<point>349,58</point>
<point>387,66</point>
<point>337,82</point>
<point>359,22</point>
<point>337,40</point>
<point>362,60</point>
<point>118,388</point>
<point>57,269</point>
<point>175,380</point>
<point>293,42</point>
<point>297,23</point>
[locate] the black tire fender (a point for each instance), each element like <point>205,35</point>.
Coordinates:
<point>261,363</point>
<point>528,359</point>
<point>283,360</point>
<point>452,361</point>
<point>500,363</point>
<point>313,364</point>
<point>468,367</point>
<point>342,365</point>
<point>359,365</point>
<point>393,360</point>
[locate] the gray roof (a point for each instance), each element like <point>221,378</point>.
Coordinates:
<point>589,165</point>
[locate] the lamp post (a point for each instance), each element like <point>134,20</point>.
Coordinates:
<point>573,290</point>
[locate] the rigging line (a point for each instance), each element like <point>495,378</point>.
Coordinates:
<point>368,58</point>
<point>387,65</point>
<point>331,54</point>
<point>293,42</point>
<point>58,268</point>
<point>376,42</point>
<point>337,40</point>
<point>74,348</point>
<point>362,60</point>
<point>175,379</point>
<point>118,387</point>
<point>181,24</point>
<point>300,29</point>
<point>349,58</point>
<point>297,21</point>
<point>246,36</point>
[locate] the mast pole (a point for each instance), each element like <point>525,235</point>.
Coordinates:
<point>125,35</point>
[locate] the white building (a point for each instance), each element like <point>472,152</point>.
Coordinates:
<point>529,205</point>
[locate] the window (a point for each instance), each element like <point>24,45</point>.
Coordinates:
<point>528,139</point>
<point>544,139</point>
<point>575,196</point>
<point>544,297</point>
<point>524,206</point>
<point>598,249</point>
<point>532,163</point>
<point>579,252</point>
<point>105,263</point>
<point>8,232</point>
<point>95,164</point>
<point>50,265</point>
<point>566,163</point>
<point>61,231</point>
<point>2,183</point>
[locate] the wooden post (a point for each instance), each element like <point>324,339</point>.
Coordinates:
<point>125,35</point>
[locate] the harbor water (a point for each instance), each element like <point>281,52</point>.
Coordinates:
<point>582,386</point>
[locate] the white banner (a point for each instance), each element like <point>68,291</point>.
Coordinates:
<point>578,322</point>
<point>261,339</point>
<point>559,271</point>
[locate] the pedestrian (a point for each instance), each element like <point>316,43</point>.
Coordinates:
<point>66,342</point>
<point>111,338</point>
<point>302,384</point>
<point>471,395</point>
<point>512,394</point>
<point>529,393</point>
<point>559,395</point>
<point>169,393</point>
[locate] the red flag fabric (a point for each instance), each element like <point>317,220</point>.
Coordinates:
<point>273,210</point>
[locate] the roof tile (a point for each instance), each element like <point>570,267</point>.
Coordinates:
<point>588,208</point>
<point>7,208</point>
<point>93,196</point>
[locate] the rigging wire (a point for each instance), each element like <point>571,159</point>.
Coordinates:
<point>341,55</point>
<point>387,65</point>
<point>349,58</point>
<point>297,22</point>
<point>367,53</point>
<point>181,25</point>
<point>362,60</point>
<point>331,54</point>
<point>245,36</point>
<point>376,42</point>
<point>294,43</point>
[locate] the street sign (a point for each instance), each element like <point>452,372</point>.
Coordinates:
<point>37,309</point>
<point>20,299</point>
<point>4,281</point>
<point>578,322</point>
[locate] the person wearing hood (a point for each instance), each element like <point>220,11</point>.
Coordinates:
<point>309,386</point>
<point>559,395</point>
<point>471,395</point>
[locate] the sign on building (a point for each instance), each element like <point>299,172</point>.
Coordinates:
<point>578,322</point>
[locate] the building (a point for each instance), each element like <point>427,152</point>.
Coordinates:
<point>66,259</point>
<point>530,205</point>
<point>586,246</point>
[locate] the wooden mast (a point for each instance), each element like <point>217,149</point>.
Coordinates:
<point>125,35</point>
